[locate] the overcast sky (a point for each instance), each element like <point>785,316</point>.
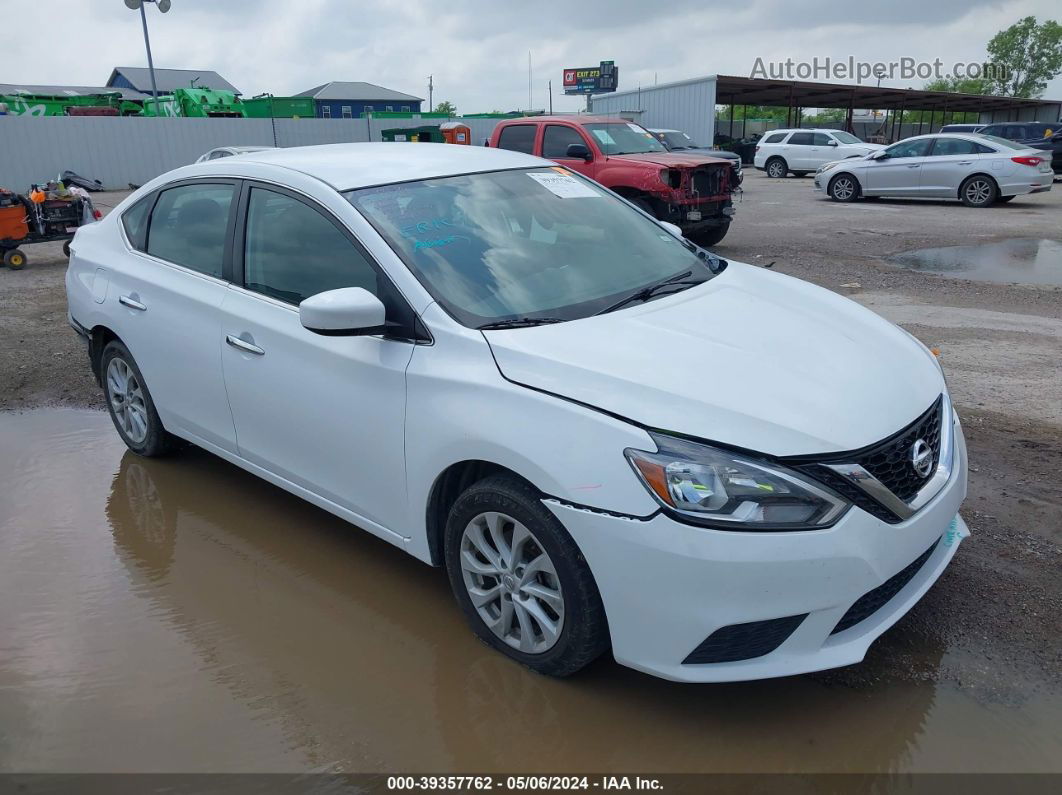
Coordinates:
<point>477,50</point>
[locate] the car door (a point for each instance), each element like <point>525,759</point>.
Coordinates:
<point>556,139</point>
<point>325,413</point>
<point>167,294</point>
<point>799,151</point>
<point>949,162</point>
<point>897,172</point>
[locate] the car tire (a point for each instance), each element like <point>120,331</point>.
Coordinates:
<point>15,259</point>
<point>710,237</point>
<point>978,191</point>
<point>801,173</point>
<point>130,405</point>
<point>843,188</point>
<point>776,168</point>
<point>66,249</point>
<point>554,622</point>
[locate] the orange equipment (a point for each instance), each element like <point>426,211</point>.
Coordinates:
<point>454,132</point>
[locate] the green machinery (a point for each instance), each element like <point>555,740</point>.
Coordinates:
<point>68,104</point>
<point>196,103</point>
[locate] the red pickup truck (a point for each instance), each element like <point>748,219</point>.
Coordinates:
<point>690,190</point>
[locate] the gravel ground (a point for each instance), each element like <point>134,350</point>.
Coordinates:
<point>1000,345</point>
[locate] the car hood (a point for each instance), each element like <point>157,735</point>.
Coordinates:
<point>752,359</point>
<point>672,159</point>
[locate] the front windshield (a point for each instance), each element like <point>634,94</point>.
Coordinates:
<point>678,140</point>
<point>845,137</point>
<point>623,138</point>
<point>540,242</point>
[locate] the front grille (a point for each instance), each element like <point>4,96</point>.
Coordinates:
<point>708,181</point>
<point>744,641</point>
<point>889,461</point>
<point>872,601</point>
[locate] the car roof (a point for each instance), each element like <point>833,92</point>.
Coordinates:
<point>245,148</point>
<point>348,166</point>
<point>804,129</point>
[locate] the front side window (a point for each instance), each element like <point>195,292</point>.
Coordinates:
<point>292,251</point>
<point>539,242</point>
<point>802,139</point>
<point>845,137</point>
<point>557,138</point>
<point>189,225</point>
<point>518,138</point>
<point>623,138</point>
<point>1018,133</point>
<point>820,139</point>
<point>953,146</point>
<point>918,148</point>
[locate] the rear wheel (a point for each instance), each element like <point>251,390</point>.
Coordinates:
<point>978,191</point>
<point>777,168</point>
<point>14,259</point>
<point>520,580</point>
<point>844,188</point>
<point>709,237</point>
<point>130,405</point>
<point>66,248</point>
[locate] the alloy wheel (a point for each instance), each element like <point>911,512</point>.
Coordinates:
<point>978,191</point>
<point>512,582</point>
<point>776,170</point>
<point>127,400</point>
<point>843,188</point>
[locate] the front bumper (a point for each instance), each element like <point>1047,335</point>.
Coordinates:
<point>667,586</point>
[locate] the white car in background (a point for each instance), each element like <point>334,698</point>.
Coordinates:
<point>802,151</point>
<point>610,438</point>
<point>228,151</point>
<point>978,170</point>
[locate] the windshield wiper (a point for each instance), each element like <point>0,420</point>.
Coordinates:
<point>644,294</point>
<point>520,322</point>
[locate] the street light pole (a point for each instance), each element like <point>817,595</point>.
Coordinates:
<point>151,64</point>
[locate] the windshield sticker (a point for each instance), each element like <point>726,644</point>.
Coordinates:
<point>564,186</point>
<point>604,137</point>
<point>442,241</point>
<point>413,231</point>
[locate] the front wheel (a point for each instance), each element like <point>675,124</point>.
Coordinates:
<point>978,191</point>
<point>709,237</point>
<point>130,405</point>
<point>520,580</point>
<point>844,188</point>
<point>15,259</point>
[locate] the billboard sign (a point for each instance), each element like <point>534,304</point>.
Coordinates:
<point>599,79</point>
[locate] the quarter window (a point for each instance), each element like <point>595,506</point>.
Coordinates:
<point>292,251</point>
<point>518,137</point>
<point>556,139</point>
<point>776,138</point>
<point>135,222</point>
<point>189,224</point>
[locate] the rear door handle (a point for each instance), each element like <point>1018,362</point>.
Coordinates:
<point>914,165</point>
<point>132,303</point>
<point>965,162</point>
<point>244,345</point>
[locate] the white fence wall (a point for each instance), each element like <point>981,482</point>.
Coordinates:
<point>122,150</point>
<point>688,106</point>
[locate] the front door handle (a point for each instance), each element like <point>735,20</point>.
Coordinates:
<point>965,162</point>
<point>914,165</point>
<point>244,345</point>
<point>132,303</point>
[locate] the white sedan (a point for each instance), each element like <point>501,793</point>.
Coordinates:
<point>603,433</point>
<point>228,151</point>
<point>978,170</point>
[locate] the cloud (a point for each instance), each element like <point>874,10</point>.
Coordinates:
<point>477,50</point>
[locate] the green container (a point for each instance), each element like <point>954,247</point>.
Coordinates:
<point>279,108</point>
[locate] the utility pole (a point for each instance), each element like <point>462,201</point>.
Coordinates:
<point>529,79</point>
<point>431,88</point>
<point>163,6</point>
<point>550,97</point>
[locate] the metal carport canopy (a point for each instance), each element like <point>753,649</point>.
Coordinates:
<point>731,90</point>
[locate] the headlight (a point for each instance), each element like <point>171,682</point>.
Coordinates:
<point>729,491</point>
<point>671,177</point>
<point>826,167</point>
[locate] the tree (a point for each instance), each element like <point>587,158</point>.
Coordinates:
<point>447,107</point>
<point>1028,54</point>
<point>970,85</point>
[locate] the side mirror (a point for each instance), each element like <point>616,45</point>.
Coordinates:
<point>672,228</point>
<point>346,312</point>
<point>579,152</point>
<point>881,154</point>
<point>831,142</point>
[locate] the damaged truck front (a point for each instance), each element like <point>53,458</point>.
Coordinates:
<point>690,190</point>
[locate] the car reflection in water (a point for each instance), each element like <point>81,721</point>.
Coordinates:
<point>360,655</point>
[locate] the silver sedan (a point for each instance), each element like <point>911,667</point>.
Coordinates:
<point>978,170</point>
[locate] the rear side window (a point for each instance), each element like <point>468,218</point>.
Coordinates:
<point>994,129</point>
<point>518,137</point>
<point>953,146</point>
<point>802,139</point>
<point>777,138</point>
<point>1018,132</point>
<point>134,220</point>
<point>556,139</point>
<point>292,251</point>
<point>189,224</point>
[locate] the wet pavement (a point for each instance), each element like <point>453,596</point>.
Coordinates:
<point>1014,261</point>
<point>182,615</point>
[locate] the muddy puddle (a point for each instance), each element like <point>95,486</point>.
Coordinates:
<point>181,615</point>
<point>1014,261</point>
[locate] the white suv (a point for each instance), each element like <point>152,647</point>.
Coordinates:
<point>608,437</point>
<point>802,151</point>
